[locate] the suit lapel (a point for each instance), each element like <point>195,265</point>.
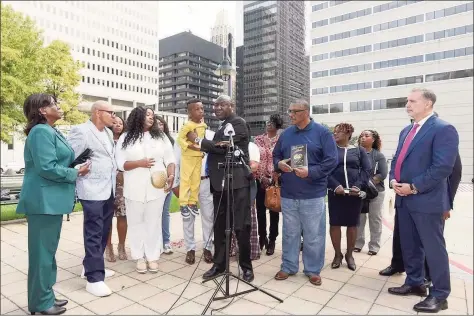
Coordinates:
<point>421,133</point>
<point>63,139</point>
<point>96,135</point>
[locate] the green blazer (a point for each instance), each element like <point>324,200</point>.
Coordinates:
<point>49,184</point>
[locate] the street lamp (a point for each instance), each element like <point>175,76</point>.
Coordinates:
<point>224,70</point>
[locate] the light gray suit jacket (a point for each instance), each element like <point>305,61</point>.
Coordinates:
<point>99,183</point>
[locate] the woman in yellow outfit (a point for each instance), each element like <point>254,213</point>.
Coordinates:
<point>191,159</point>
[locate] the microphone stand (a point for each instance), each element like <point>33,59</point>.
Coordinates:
<point>227,274</point>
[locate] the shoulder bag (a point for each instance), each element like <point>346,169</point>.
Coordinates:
<point>273,198</point>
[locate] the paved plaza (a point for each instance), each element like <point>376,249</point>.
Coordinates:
<point>342,291</point>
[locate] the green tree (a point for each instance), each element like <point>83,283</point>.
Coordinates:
<point>28,67</point>
<point>21,67</point>
<point>61,78</point>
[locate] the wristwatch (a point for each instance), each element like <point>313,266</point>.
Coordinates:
<point>197,140</point>
<point>413,189</point>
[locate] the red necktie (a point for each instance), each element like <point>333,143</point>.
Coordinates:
<point>403,151</point>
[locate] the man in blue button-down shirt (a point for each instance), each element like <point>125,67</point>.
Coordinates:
<point>303,191</point>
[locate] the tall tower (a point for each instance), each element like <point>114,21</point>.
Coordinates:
<point>220,36</point>
<point>276,67</point>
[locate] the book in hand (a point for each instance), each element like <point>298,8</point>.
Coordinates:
<point>82,158</point>
<point>299,156</point>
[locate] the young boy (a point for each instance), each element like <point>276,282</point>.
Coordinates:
<point>191,160</point>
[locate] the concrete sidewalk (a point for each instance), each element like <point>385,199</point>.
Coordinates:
<point>363,292</point>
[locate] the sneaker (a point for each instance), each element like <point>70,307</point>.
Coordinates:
<point>108,273</point>
<point>153,266</point>
<point>99,289</point>
<point>141,266</point>
<point>193,209</point>
<point>167,249</point>
<point>185,212</point>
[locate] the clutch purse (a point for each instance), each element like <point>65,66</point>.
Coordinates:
<point>158,179</point>
<point>82,158</point>
<point>273,198</point>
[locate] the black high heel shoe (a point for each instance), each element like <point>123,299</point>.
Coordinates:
<point>337,261</point>
<point>350,263</point>
<point>55,310</point>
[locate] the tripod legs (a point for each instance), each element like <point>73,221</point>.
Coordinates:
<point>226,277</point>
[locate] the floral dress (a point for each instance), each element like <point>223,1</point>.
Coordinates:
<point>119,202</point>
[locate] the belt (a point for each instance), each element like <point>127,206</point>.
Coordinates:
<point>205,177</point>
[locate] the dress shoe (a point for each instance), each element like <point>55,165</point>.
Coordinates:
<point>212,272</point>
<point>207,256</point>
<point>389,271</point>
<point>408,290</point>
<point>263,242</point>
<point>248,275</point>
<point>60,303</point>
<point>431,304</point>
<point>108,273</point>
<point>99,289</point>
<point>271,248</point>
<point>54,310</point>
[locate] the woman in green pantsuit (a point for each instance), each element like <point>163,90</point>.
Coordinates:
<point>47,193</point>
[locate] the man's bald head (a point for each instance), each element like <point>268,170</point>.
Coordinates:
<point>101,105</point>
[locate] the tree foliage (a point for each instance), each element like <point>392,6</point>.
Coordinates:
<point>28,67</point>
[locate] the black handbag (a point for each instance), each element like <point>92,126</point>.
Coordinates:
<point>370,189</point>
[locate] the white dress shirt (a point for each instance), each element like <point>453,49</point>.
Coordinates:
<point>254,152</point>
<point>137,182</point>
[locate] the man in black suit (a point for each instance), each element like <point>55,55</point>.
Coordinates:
<point>240,187</point>
<point>396,265</point>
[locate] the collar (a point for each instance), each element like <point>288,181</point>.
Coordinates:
<point>423,121</point>
<point>307,127</point>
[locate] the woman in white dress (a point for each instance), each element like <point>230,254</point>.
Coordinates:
<point>142,152</point>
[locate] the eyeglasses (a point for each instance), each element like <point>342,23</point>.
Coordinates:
<point>112,113</point>
<point>295,111</point>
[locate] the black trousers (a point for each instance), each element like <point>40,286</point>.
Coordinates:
<point>98,217</point>
<point>397,257</point>
<point>239,219</point>
<point>262,216</point>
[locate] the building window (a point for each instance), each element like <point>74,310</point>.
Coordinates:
<point>393,103</point>
<point>399,23</point>
<point>350,69</point>
<point>317,91</point>
<point>398,81</point>
<point>449,54</point>
<point>392,5</point>
<point>320,23</point>
<point>337,2</point>
<point>320,109</point>
<point>319,74</point>
<point>319,57</point>
<point>398,62</point>
<point>361,106</point>
<point>449,11</point>
<point>461,30</point>
<point>351,51</point>
<point>320,6</point>
<point>351,15</point>
<point>458,74</point>
<point>347,34</point>
<point>399,42</point>
<point>351,87</point>
<point>320,40</point>
<point>336,108</point>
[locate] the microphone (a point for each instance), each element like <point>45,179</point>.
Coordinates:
<point>239,154</point>
<point>229,132</point>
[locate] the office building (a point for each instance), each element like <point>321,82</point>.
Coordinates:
<point>239,96</point>
<point>274,59</point>
<point>186,70</point>
<point>116,41</point>
<point>220,36</point>
<point>367,56</point>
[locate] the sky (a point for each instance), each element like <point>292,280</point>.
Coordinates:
<point>199,17</point>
